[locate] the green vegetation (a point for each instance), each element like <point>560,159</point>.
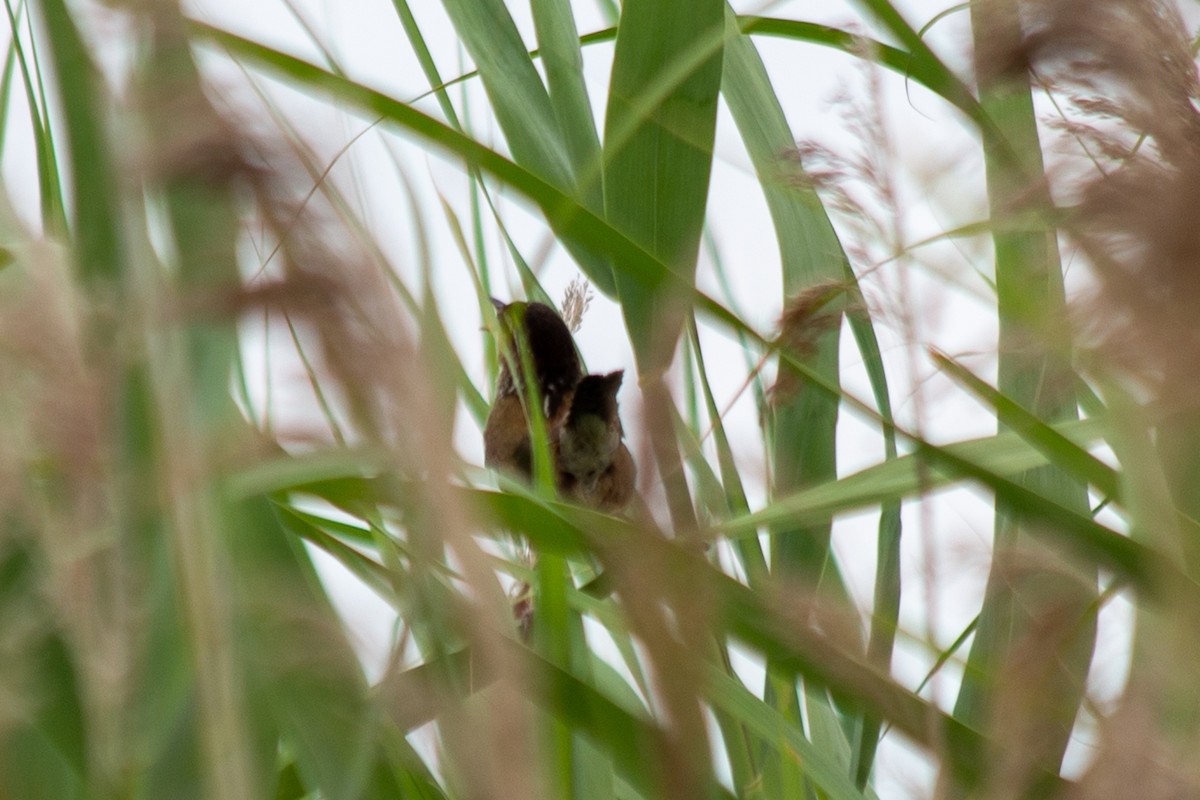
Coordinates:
<point>164,629</point>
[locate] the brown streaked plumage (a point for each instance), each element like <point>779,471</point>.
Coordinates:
<point>556,369</point>
<point>594,465</point>
<point>615,487</point>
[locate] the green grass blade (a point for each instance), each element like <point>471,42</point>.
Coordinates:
<point>571,219</point>
<point>929,71</point>
<point>6,84</point>
<point>885,612</point>
<point>1058,449</point>
<point>49,180</point>
<point>95,227</point>
<point>811,253</point>
<point>529,281</point>
<point>45,751</point>
<point>658,160</point>
<point>559,50</point>
<point>552,639</point>
<point>300,666</point>
<point>519,100</point>
<point>748,548</point>
<point>804,422</point>
<point>525,112</point>
<point>1097,544</point>
<point>367,570</point>
<point>1030,301</point>
<point>727,694</point>
<point>1002,455</point>
<point>917,61</point>
<point>757,622</point>
<point>425,57</point>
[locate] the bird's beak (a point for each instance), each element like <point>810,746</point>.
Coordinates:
<point>499,304</point>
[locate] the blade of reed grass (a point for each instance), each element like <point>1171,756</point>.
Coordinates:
<point>529,115</point>
<point>299,665</point>
<point>1059,450</point>
<point>659,133</point>
<point>288,785</point>
<point>371,573</point>
<point>562,59</point>
<point>47,749</point>
<point>658,160</point>
<point>519,100</point>
<point>925,63</point>
<point>917,61</point>
<point>885,612</point>
<point>92,180</point>
<point>636,264</point>
<point>803,425</point>
<point>610,10</point>
<point>740,745</point>
<point>552,639</point>
<point>1034,372</point>
<point>400,771</point>
<point>1002,455</point>
<point>49,179</point>
<point>421,48</point>
<point>809,250</point>
<point>924,67</point>
<point>658,145</point>
<point>739,748</point>
<point>757,622</point>
<point>727,693</point>
<point>1074,531</point>
<point>691,398</point>
<point>825,729</point>
<point>534,291</point>
<point>748,549</point>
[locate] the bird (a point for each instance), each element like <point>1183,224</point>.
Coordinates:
<point>556,371</point>
<point>595,467</point>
